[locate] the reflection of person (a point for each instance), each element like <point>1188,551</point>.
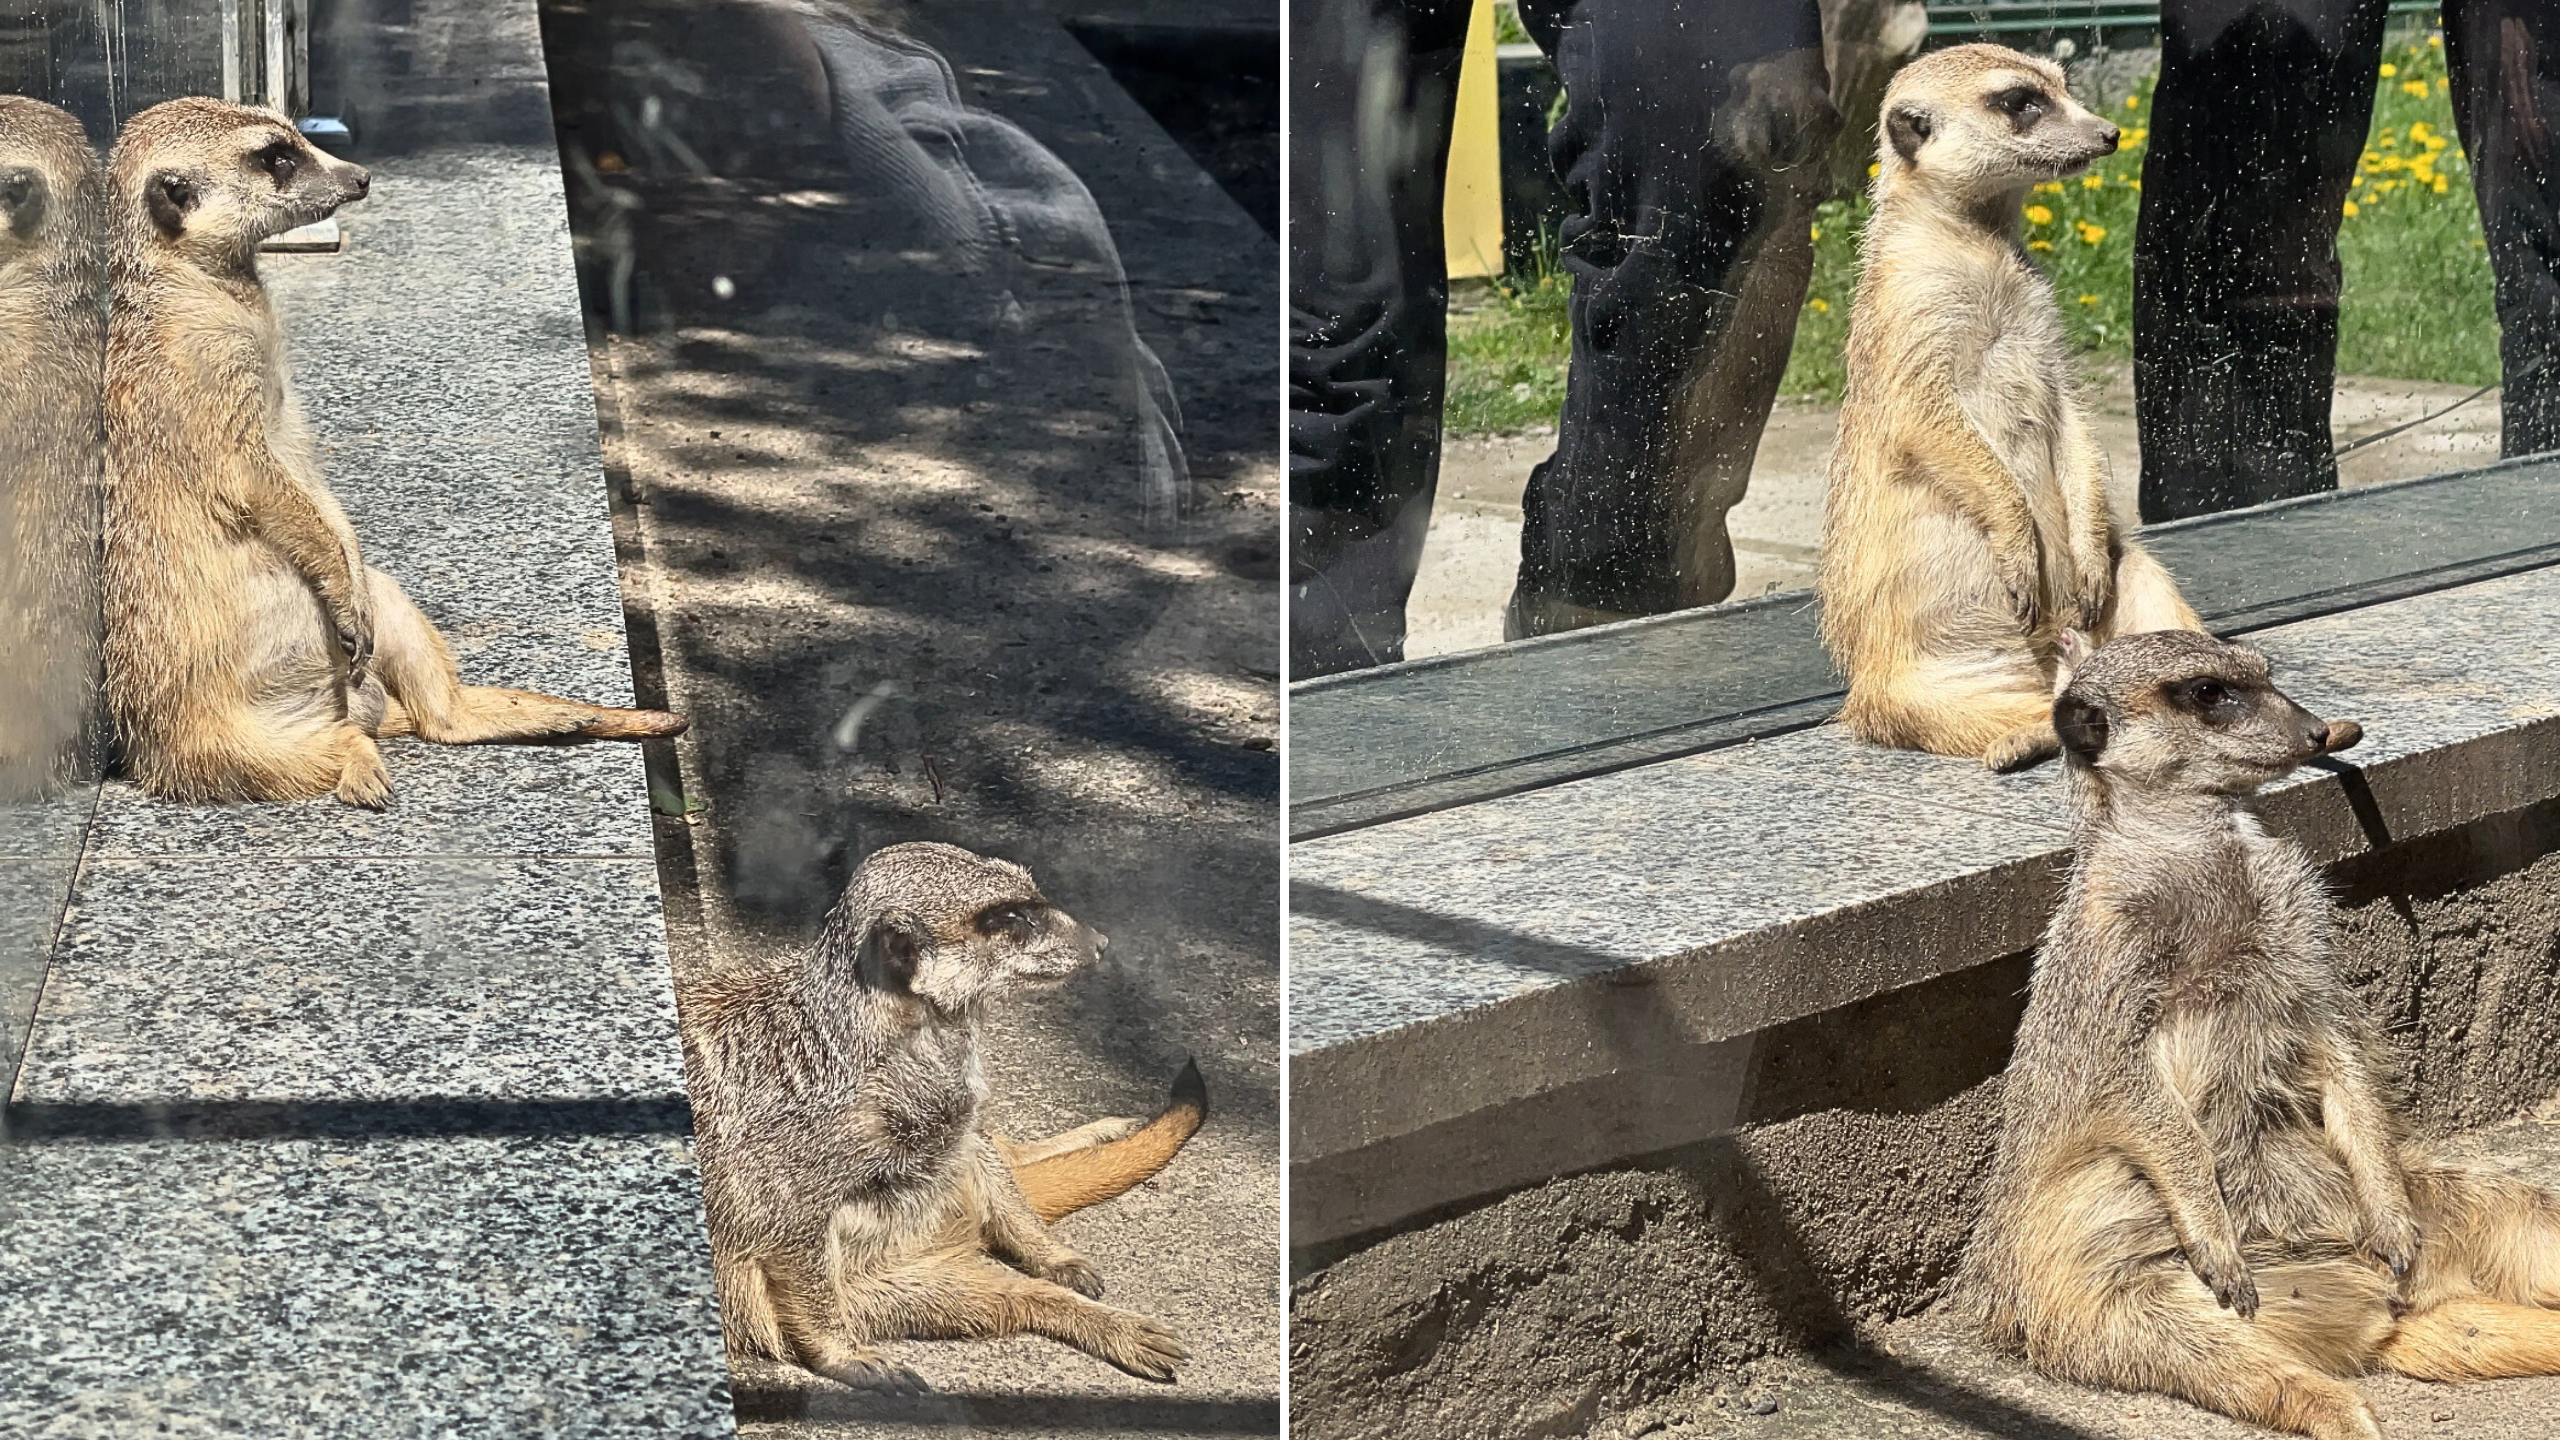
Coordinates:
<point>1689,149</point>
<point>2260,116</point>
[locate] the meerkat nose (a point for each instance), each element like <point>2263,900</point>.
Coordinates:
<point>2109,136</point>
<point>363,183</point>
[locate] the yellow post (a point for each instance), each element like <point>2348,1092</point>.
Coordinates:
<point>1471,207</point>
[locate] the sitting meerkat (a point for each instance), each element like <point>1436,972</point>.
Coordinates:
<point>53,285</point>
<point>251,654</point>
<point>851,1195</point>
<point>2200,1188</point>
<point>1966,524</point>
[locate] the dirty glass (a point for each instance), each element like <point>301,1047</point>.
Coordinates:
<point>885,389</point>
<point>1571,282</point>
<point>934,346</point>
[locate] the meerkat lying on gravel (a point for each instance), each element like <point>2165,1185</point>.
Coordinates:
<point>852,1197</point>
<point>2200,1188</point>
<point>1966,525</point>
<point>251,654</point>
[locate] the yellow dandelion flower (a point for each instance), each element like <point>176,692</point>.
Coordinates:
<point>2417,88</point>
<point>2439,186</point>
<point>1873,169</point>
<point>2039,244</point>
<point>2050,187</point>
<point>2092,234</point>
<point>2093,182</point>
<point>2133,102</point>
<point>1819,305</point>
<point>2419,130</point>
<point>2134,183</point>
<point>2388,139</point>
<point>1817,232</point>
<point>2351,209</point>
<point>2435,42</point>
<point>2088,299</point>
<point>2135,136</point>
<point>2389,69</point>
<point>2038,215</point>
<point>2436,142</point>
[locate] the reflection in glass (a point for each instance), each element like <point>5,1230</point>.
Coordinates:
<point>52,298</point>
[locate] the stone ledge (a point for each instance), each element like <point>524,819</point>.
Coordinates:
<point>1534,985</point>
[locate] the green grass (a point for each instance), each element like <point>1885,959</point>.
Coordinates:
<point>2416,303</point>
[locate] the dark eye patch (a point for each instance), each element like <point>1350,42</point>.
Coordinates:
<point>1015,922</point>
<point>2023,104</point>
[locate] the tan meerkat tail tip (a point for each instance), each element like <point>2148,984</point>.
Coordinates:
<point>1063,1184</point>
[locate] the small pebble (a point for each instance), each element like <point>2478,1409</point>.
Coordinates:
<point>2441,1416</point>
<point>1764,1405</point>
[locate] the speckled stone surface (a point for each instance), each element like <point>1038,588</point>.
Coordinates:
<point>337,1123</point>
<point>380,1288</point>
<point>358,980</point>
<point>1455,964</point>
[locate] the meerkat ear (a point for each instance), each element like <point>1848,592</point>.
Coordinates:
<point>889,949</point>
<point>2082,727</point>
<point>169,197</point>
<point>1908,127</point>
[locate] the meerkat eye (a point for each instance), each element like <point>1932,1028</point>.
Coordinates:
<point>281,164</point>
<point>1013,922</point>
<point>2211,699</point>
<point>2023,106</point>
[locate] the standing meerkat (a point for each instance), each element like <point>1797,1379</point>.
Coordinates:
<point>251,654</point>
<point>852,1197</point>
<point>1966,525</point>
<point>52,340</point>
<point>2200,1188</point>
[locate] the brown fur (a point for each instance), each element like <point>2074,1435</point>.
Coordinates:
<point>2200,1188</point>
<point>852,1197</point>
<point>52,338</point>
<point>251,654</point>
<point>1966,526</point>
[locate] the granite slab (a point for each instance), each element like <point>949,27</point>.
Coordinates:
<point>1565,947</point>
<point>267,980</point>
<point>365,1288</point>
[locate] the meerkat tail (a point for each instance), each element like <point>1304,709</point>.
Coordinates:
<point>491,712</point>
<point>1063,1184</point>
<point>2472,1337</point>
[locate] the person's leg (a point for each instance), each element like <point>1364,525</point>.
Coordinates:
<point>2504,56</point>
<point>1373,88</point>
<point>2255,129</point>
<point>1691,148</point>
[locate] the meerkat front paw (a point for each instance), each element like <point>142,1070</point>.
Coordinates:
<point>865,1369</point>
<point>2391,1236</point>
<point>363,782</point>
<point>2020,748</point>
<point>1141,1347</point>
<point>1071,1270</point>
<point>2228,1277</point>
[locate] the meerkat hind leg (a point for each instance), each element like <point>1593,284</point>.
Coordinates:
<point>956,1295</point>
<point>2169,1335</point>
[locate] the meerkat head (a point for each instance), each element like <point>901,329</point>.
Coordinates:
<point>211,180</point>
<point>1980,123</point>
<point>2176,710</point>
<point>48,175</point>
<point>950,928</point>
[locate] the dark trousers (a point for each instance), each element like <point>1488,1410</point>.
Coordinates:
<point>2260,116</point>
<point>1691,132</point>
